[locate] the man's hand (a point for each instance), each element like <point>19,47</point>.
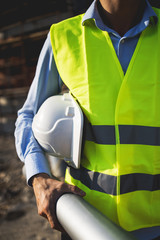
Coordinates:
<point>47,191</point>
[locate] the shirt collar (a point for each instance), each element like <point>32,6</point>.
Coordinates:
<point>149,17</point>
<point>91,13</point>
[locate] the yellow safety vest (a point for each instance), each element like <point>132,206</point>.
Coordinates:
<point>120,166</point>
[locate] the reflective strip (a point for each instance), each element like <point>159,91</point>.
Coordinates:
<point>139,181</point>
<point>95,181</point>
<point>100,134</point>
<point>108,184</point>
<point>130,134</point>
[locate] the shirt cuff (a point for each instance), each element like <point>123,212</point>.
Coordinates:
<point>36,163</point>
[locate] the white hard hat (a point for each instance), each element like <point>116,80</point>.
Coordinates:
<point>58,127</point>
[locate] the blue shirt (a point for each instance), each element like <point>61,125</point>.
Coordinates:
<point>124,46</point>
<point>47,82</point>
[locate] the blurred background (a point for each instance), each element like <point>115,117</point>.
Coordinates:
<point>24,25</point>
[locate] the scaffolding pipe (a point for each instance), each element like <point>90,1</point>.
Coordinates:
<point>83,222</point>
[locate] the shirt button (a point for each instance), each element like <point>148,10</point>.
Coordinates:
<point>122,41</point>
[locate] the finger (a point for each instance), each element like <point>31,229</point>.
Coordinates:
<point>68,188</point>
<point>44,215</point>
<point>50,220</point>
<point>53,221</point>
<point>77,191</point>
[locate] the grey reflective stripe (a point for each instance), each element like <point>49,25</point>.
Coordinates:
<point>108,184</point>
<point>139,181</point>
<point>101,134</point>
<point>95,181</point>
<point>131,134</point>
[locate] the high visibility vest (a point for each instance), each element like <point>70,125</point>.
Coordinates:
<point>120,165</point>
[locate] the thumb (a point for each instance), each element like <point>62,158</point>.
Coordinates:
<point>78,191</point>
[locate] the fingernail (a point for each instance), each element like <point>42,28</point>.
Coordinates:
<point>82,193</point>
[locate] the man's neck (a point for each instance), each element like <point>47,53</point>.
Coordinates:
<point>121,15</point>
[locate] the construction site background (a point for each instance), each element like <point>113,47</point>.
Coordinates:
<point>24,25</point>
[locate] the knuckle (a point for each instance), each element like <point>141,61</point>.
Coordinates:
<point>40,212</point>
<point>46,208</point>
<point>52,225</point>
<point>74,188</point>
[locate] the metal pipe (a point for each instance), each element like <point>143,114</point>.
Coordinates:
<point>83,222</point>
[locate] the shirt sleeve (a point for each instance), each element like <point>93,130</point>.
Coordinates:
<point>46,83</point>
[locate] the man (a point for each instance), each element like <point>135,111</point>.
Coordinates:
<point>108,58</point>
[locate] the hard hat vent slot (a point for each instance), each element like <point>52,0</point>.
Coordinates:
<point>70,111</point>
